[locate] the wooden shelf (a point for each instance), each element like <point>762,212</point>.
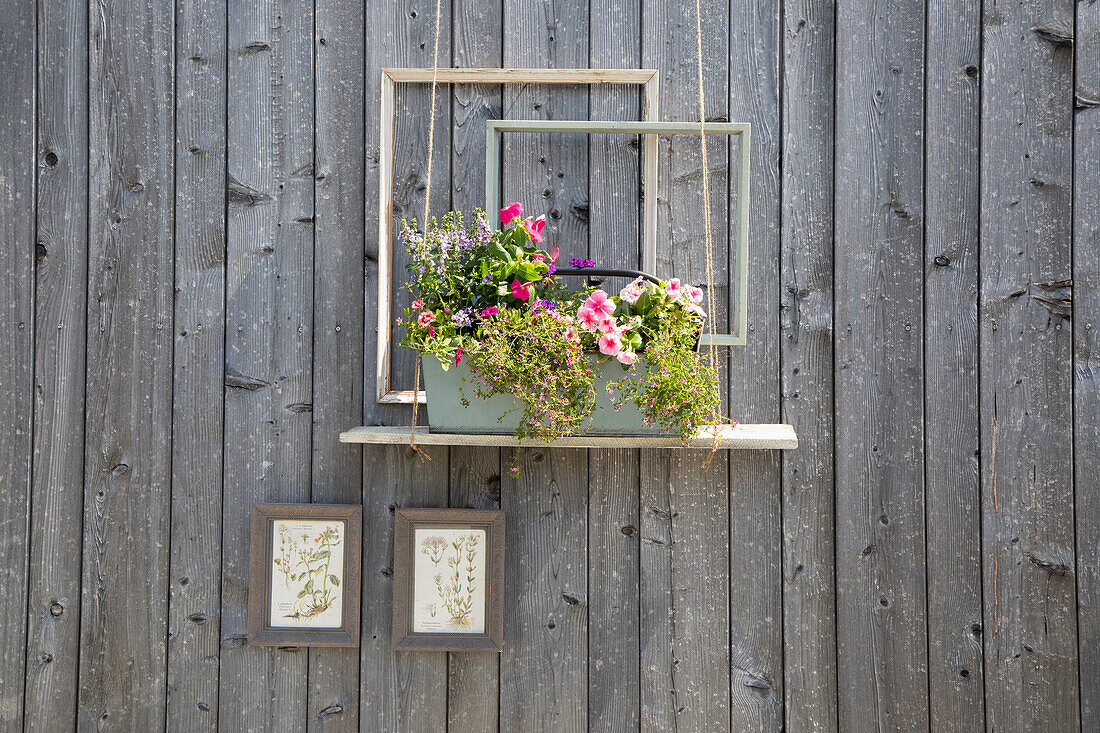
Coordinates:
<point>730,437</point>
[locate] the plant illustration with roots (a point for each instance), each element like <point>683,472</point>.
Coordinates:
<point>304,563</point>
<point>456,590</point>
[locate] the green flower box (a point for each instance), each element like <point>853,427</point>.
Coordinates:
<point>500,414</point>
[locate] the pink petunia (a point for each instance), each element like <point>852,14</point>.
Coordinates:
<point>673,287</point>
<point>510,212</point>
<point>694,294</point>
<point>425,318</point>
<point>611,343</point>
<point>418,304</point>
<point>538,257</point>
<point>490,311</point>
<point>606,325</point>
<point>458,356</point>
<point>600,304</point>
<point>632,292</point>
<point>554,254</point>
<point>431,330</point>
<point>588,318</point>
<point>534,228</point>
<point>520,290</point>
<point>571,335</point>
<point>626,357</point>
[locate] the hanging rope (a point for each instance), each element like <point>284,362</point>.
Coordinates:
<point>706,209</point>
<point>706,181</point>
<point>424,224</point>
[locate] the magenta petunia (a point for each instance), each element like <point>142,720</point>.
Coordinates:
<point>520,290</point>
<point>510,212</point>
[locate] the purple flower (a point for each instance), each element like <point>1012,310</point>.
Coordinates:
<point>581,263</point>
<point>547,304</point>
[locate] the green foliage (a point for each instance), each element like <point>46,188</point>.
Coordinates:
<point>526,354</point>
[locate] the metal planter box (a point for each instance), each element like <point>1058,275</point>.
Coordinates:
<point>446,413</point>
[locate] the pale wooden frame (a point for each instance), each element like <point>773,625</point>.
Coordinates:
<point>646,78</point>
<point>738,335</point>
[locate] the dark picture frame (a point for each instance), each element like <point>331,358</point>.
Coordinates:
<point>406,522</point>
<point>261,632</point>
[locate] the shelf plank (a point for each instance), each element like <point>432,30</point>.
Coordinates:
<point>730,437</point>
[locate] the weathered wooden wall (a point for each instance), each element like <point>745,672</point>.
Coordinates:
<point>187,322</point>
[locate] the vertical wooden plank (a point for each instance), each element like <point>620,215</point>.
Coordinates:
<point>952,494</point>
<point>755,535</point>
<point>684,575</point>
<point>53,635</point>
<point>881,630</point>
<point>194,617</point>
<point>473,679</point>
<point>614,240</point>
<point>1025,367</point>
<point>269,325</point>
<point>806,313</point>
<point>18,44</point>
<point>129,382</point>
<point>613,557</point>
<point>333,703</point>
<point>408,690</point>
<point>543,669</point>
<point>544,666</point>
<point>684,592</point>
<point>402,691</point>
<point>1086,332</point>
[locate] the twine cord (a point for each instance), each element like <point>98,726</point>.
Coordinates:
<point>427,204</point>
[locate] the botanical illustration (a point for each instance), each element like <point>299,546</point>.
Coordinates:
<point>449,581</point>
<point>307,571</point>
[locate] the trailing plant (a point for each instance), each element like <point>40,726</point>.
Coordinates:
<point>536,356</point>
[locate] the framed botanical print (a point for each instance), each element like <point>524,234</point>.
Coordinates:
<point>304,574</point>
<point>448,580</point>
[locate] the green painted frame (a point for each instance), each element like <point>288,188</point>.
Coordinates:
<point>739,286</point>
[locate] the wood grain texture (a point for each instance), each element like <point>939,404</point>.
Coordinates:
<point>407,689</point>
<point>544,667</point>
<point>127,464</point>
<point>806,357</point>
<point>1086,354</point>
<point>269,326</point>
<point>684,574</point>
<point>53,633</point>
<point>881,629</point>
<point>952,492</point>
<point>684,592</point>
<point>473,680</point>
<point>1025,372</point>
<point>17,328</point>
<point>755,534</point>
<point>194,617</point>
<point>614,240</point>
<point>613,603</point>
<point>338,361</point>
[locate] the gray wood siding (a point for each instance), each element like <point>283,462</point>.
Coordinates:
<point>187,321</point>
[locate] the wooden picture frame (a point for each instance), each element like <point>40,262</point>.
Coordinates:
<point>300,526</point>
<point>739,261</point>
<point>414,530</point>
<point>646,78</point>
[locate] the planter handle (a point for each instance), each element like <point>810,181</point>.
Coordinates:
<point>605,271</point>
